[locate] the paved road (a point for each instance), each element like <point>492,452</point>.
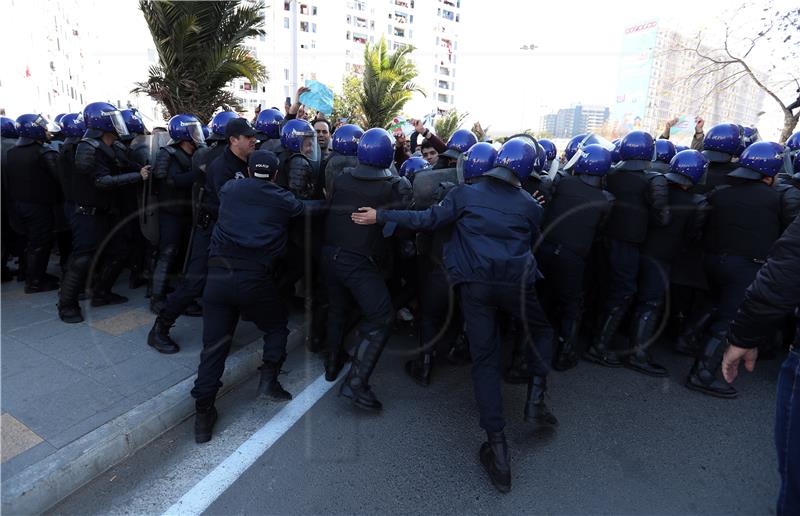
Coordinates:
<point>626,444</point>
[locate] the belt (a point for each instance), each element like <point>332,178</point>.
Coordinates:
<point>239,264</point>
<point>87,210</point>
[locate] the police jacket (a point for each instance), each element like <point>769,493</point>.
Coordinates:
<point>774,293</point>
<point>174,173</point>
<point>226,167</point>
<point>688,214</point>
<point>32,175</point>
<point>789,190</point>
<point>640,199</point>
<point>576,212</point>
<point>301,177</point>
<point>357,187</point>
<point>540,183</point>
<point>717,175</point>
<point>97,175</point>
<point>66,160</point>
<point>495,226</point>
<point>745,219</point>
<point>253,220</point>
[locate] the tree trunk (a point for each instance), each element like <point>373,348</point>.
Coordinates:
<point>789,123</point>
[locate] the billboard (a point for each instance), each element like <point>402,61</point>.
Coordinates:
<point>635,65</point>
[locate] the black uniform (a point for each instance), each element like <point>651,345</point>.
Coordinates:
<point>572,220</point>
<point>34,193</point>
<point>132,155</point>
<point>96,179</point>
<point>173,170</point>
<point>352,261</point>
<point>789,188</point>
<point>640,197</point>
<point>744,222</point>
<point>8,235</point>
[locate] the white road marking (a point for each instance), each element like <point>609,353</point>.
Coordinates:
<point>203,494</point>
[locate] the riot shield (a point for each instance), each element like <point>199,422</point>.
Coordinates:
<point>148,210</point>
<point>426,184</point>
<point>335,166</point>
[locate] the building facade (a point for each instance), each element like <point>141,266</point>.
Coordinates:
<point>574,120</point>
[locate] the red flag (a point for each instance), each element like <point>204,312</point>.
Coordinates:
<point>27,71</point>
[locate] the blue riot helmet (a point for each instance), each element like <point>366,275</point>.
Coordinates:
<point>345,139</point>
<point>581,141</point>
<point>549,149</point>
<point>268,123</point>
<point>412,166</point>
<point>687,167</point>
<point>572,145</point>
<point>793,143</point>
<point>722,142</point>
<point>376,148</point>
<point>218,123</point>
<point>615,158</point>
<point>514,162</point>
<point>478,160</point>
<point>540,163</point>
<point>8,128</point>
<point>664,152</point>
<point>459,143</point>
<point>637,146</point>
<point>761,159</point>
<point>592,160</point>
<point>796,167</point>
<point>72,125</point>
<point>133,121</point>
<point>58,118</point>
<point>294,132</point>
<point>680,148</point>
<point>206,132</point>
<point>749,135</point>
<point>186,128</point>
<point>102,117</point>
<point>34,127</point>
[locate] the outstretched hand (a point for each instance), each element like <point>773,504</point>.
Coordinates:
<point>365,216</point>
<point>733,356</point>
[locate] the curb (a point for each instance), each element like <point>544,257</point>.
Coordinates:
<point>47,482</point>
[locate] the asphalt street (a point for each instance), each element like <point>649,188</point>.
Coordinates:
<point>626,443</point>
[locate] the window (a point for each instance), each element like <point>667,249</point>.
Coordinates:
<point>444,70</point>
<point>399,32</point>
<point>286,6</point>
<point>247,86</point>
<point>303,26</point>
<point>359,38</point>
<point>372,24</point>
<point>313,10</point>
<point>349,19</point>
<point>441,97</point>
<point>313,44</point>
<point>313,27</point>
<point>286,23</point>
<point>303,9</point>
<point>286,74</point>
<point>444,85</point>
<point>349,36</point>
<point>361,23</point>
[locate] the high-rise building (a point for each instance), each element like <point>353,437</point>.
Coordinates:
<point>568,122</point>
<point>655,84</point>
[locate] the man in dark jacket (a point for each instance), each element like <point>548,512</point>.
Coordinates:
<point>774,294</point>
<point>489,260</point>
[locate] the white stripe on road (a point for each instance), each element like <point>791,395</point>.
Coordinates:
<point>203,494</point>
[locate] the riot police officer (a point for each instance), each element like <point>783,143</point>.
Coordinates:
<point>212,172</point>
<point>8,138</point>
<point>550,153</point>
<point>572,221</point>
<point>744,222</point>
<point>640,196</point>
<point>458,143</point>
<point>412,166</point>
<point>664,152</point>
<point>721,145</point>
<point>687,218</point>
<point>173,170</point>
<point>300,170</point>
<point>788,181</point>
<point>34,193</point>
<point>95,179</point>
<point>489,259</point>
<point>352,260</point>
<point>268,126</point>
<point>345,147</point>
<point>250,234</point>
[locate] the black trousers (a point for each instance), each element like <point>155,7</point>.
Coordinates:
<point>623,271</point>
<point>36,222</point>
<point>354,280</point>
<point>480,303</point>
<point>231,293</point>
<point>193,282</point>
<point>439,318</point>
<point>563,284</point>
<point>729,276</point>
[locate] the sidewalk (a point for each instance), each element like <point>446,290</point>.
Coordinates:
<point>62,383</point>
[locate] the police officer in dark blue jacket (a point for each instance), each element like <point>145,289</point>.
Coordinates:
<point>489,259</point>
<point>175,176</point>
<point>230,163</point>
<point>249,236</point>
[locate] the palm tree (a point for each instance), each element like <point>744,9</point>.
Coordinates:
<point>387,84</point>
<point>446,125</point>
<point>200,51</point>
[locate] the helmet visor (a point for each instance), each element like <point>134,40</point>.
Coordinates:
<point>48,126</point>
<point>310,148</point>
<point>118,122</point>
<point>590,138</point>
<point>195,130</point>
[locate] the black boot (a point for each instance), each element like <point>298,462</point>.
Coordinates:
<point>356,385</point>
<point>703,376</point>
<point>536,410</point>
<point>204,420</point>
<point>687,342</point>
<point>459,355</point>
<point>419,369</point>
<point>268,386</point>
<point>166,260</point>
<point>69,310</point>
<point>494,457</point>
<point>37,279</point>
<point>159,338</point>
<point>642,337</point>
<point>101,293</point>
<point>599,352</point>
<point>567,353</point>
<point>334,362</point>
